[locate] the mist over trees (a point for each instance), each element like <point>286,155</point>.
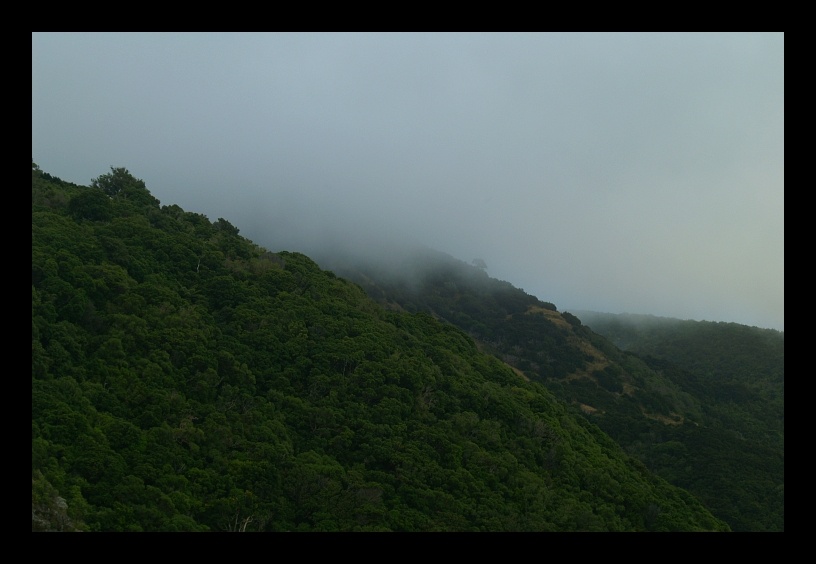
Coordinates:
<point>185,378</point>
<point>701,403</point>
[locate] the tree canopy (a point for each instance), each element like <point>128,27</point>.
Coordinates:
<point>186,379</point>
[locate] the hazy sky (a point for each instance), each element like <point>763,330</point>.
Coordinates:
<point>617,172</point>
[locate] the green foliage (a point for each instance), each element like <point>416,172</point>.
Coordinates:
<point>92,204</point>
<point>676,381</point>
<point>120,184</point>
<point>50,512</point>
<point>732,457</point>
<point>184,379</point>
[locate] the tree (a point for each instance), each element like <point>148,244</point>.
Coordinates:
<point>223,225</point>
<point>90,204</point>
<point>121,184</point>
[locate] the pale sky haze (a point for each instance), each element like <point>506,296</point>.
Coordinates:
<point>616,172</point>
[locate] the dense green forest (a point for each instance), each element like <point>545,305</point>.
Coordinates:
<point>186,379</point>
<point>738,372</point>
<point>700,404</point>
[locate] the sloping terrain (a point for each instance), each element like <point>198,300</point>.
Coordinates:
<point>186,379</point>
<point>699,406</point>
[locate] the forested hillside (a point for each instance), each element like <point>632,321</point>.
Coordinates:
<point>186,379</point>
<point>738,372</point>
<point>700,404</point>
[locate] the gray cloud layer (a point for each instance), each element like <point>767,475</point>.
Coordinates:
<point>621,172</point>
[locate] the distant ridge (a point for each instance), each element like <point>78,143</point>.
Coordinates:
<point>667,390</point>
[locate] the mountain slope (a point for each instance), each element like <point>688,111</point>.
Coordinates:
<point>671,416</point>
<point>739,374</point>
<point>186,379</point>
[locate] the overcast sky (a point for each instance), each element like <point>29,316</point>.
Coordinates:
<point>619,172</point>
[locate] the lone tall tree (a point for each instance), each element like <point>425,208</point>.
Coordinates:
<point>121,184</point>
